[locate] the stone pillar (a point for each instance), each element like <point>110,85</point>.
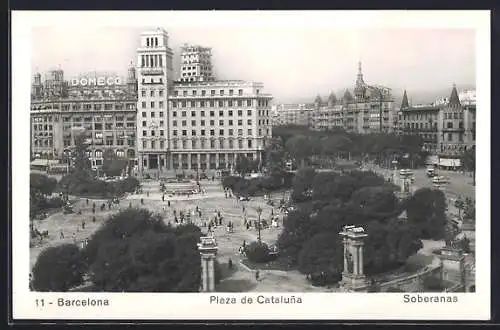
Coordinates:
<point>360,249</point>
<point>346,266</point>
<point>208,251</point>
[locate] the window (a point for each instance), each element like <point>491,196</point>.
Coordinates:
<point>221,122</point>
<point>144,124</point>
<point>249,112</point>
<point>221,113</point>
<point>221,132</point>
<point>144,133</point>
<point>143,105</point>
<point>212,132</point>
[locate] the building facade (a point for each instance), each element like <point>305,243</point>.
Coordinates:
<point>200,123</point>
<point>448,128</point>
<point>293,114</point>
<point>369,110</point>
<point>102,105</point>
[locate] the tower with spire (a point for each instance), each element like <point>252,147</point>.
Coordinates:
<point>404,103</point>
<point>359,89</point>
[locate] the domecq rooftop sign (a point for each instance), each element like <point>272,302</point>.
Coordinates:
<point>96,81</point>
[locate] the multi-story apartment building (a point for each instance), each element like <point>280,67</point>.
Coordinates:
<point>201,123</point>
<point>369,110</point>
<point>448,128</point>
<point>293,114</point>
<point>101,104</point>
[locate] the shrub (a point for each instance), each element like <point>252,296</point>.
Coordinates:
<point>258,252</point>
<point>58,269</point>
<point>433,284</point>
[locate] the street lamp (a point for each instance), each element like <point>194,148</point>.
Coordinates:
<point>259,212</point>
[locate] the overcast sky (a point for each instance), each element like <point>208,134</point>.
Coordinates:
<point>293,63</point>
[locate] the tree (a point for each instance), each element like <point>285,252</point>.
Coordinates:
<point>469,162</point>
<point>135,251</point>
<point>58,268</point>
<point>113,165</point>
<point>426,209</point>
<point>322,253</point>
<point>242,165</point>
<point>42,183</point>
<point>299,147</point>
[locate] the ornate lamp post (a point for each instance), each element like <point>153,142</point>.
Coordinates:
<point>259,212</point>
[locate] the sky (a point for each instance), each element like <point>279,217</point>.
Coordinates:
<point>295,64</point>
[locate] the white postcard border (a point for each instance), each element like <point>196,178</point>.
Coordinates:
<point>471,306</point>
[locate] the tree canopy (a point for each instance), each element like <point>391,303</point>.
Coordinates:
<point>135,251</point>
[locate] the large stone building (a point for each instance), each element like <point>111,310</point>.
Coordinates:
<point>293,114</point>
<point>448,128</point>
<point>102,104</point>
<point>369,110</point>
<point>197,122</point>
